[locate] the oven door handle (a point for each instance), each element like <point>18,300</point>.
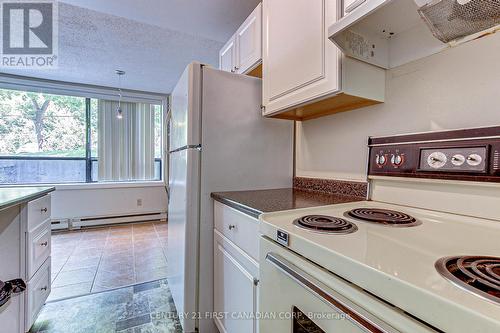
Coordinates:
<point>353,312</point>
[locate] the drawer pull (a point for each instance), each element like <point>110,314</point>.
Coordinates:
<point>232,226</point>
<point>44,243</point>
<point>44,288</point>
<point>44,210</point>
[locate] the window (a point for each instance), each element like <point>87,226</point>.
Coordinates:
<point>48,138</point>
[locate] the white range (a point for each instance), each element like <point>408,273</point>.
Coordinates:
<point>422,255</point>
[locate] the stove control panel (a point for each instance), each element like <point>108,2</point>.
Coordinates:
<point>470,154</point>
<point>467,159</point>
<point>391,158</point>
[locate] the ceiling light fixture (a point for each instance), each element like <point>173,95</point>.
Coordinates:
<point>119,111</point>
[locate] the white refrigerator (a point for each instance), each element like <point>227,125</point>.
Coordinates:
<point>219,141</point>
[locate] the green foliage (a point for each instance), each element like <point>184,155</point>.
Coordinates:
<point>62,124</point>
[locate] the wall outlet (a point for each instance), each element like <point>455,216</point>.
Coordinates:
<point>139,202</point>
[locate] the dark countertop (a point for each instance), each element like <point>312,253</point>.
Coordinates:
<point>256,202</point>
<point>12,196</point>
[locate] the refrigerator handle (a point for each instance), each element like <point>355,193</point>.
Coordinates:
<point>167,151</point>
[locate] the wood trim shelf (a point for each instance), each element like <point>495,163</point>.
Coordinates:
<point>256,72</point>
<point>339,103</point>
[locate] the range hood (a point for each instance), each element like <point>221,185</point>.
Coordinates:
<point>390,33</point>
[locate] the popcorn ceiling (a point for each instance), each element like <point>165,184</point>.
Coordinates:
<point>92,45</point>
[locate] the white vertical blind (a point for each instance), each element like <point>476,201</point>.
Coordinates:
<point>125,146</point>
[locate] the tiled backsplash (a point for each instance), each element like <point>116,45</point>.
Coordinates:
<point>338,187</point>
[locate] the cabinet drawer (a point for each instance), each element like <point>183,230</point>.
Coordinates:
<point>239,228</point>
<point>38,212</point>
<point>38,247</point>
<point>37,292</point>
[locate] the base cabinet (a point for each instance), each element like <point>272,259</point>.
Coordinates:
<point>37,292</point>
<point>235,288</point>
<point>236,272</point>
<point>25,254</point>
<point>11,313</point>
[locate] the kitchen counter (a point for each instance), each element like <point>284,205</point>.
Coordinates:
<point>256,202</point>
<point>11,196</point>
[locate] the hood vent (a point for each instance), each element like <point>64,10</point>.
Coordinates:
<point>450,20</point>
<point>390,33</point>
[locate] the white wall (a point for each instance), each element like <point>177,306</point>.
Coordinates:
<point>92,200</point>
<point>457,88</point>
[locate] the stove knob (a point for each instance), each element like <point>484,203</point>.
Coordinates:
<point>458,159</point>
<point>437,160</point>
<point>474,159</point>
<point>380,160</point>
<point>397,160</point>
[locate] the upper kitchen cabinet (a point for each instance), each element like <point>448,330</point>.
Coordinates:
<point>305,75</point>
<point>243,52</point>
<point>227,56</point>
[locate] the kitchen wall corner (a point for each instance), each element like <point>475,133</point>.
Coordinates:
<point>457,88</point>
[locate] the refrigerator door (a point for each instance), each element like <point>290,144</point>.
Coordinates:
<point>241,151</point>
<point>185,124</point>
<point>183,231</point>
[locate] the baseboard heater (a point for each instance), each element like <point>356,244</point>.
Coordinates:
<point>82,222</point>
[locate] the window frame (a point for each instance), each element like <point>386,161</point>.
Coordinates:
<point>89,92</point>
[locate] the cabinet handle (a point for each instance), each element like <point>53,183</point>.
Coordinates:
<point>256,282</point>
<point>231,227</point>
<point>44,288</point>
<point>44,244</point>
<point>44,210</point>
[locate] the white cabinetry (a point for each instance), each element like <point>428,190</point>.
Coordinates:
<point>235,270</point>
<point>304,74</point>
<point>11,253</point>
<point>243,52</point>
<point>227,56</point>
<point>25,248</point>
<point>36,215</point>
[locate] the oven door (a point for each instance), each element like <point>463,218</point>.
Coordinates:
<point>293,300</point>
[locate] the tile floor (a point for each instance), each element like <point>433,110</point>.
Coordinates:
<point>142,308</point>
<point>105,258</point>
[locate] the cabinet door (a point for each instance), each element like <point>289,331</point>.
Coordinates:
<point>249,42</point>
<point>11,259</point>
<point>300,64</point>
<point>227,56</point>
<point>235,290</point>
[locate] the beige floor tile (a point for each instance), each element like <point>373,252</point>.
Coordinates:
<point>87,252</point>
<point>70,291</point>
<point>74,277</point>
<point>75,262</point>
<point>117,266</point>
<point>106,258</point>
<point>150,275</point>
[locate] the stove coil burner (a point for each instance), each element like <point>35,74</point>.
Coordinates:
<point>325,224</point>
<point>479,275</point>
<point>383,216</point>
